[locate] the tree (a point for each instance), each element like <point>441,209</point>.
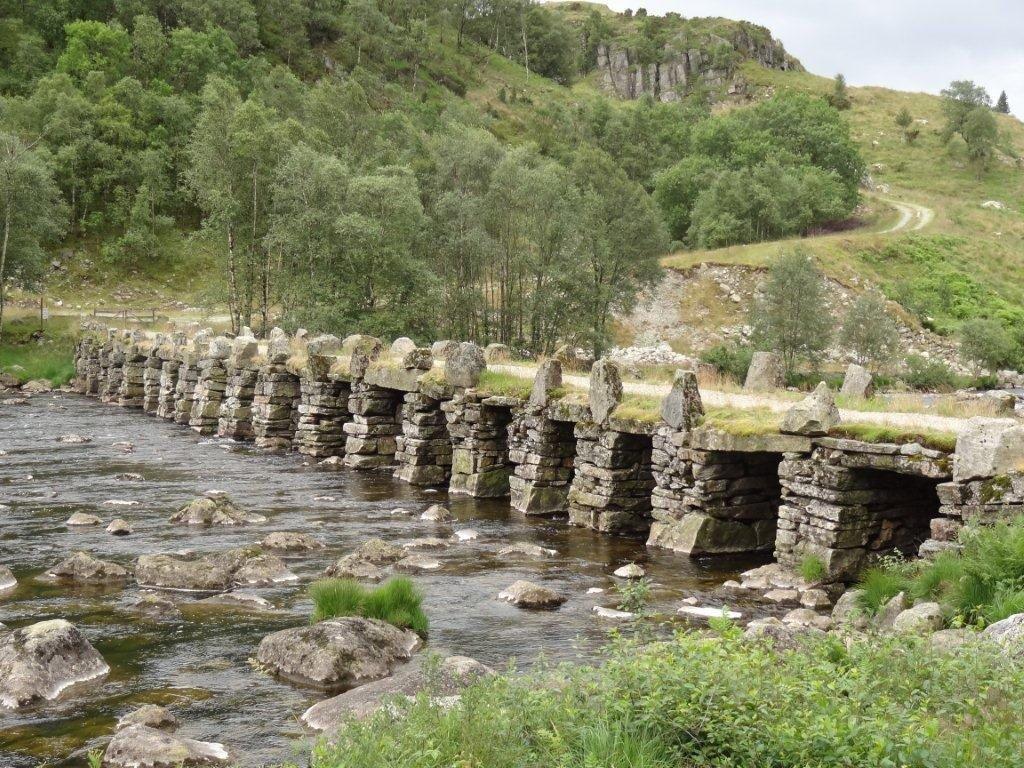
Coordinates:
<point>840,96</point>
<point>958,101</point>
<point>791,315</point>
<point>980,132</point>
<point>988,344</point>
<point>868,330</point>
<point>905,120</point>
<point>31,212</point>
<point>1002,104</point>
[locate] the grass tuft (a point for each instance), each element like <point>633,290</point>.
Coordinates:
<point>812,569</point>
<point>502,384</point>
<point>396,601</point>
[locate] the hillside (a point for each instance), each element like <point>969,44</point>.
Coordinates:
<point>578,82</point>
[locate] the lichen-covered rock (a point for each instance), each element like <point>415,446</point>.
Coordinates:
<point>922,618</point>
<point>526,594</point>
<point>857,382</point>
<point>986,448</point>
<point>814,416</point>
<point>682,408</point>
<point>41,661</point>
<point>783,636</point>
<point>139,746</point>
<point>83,568</point>
<point>547,379</point>
<point>451,676</point>
<point>886,618</point>
<point>151,716</point>
<point>188,573</point>
<point>417,563</point>
<point>262,570</point>
<point>82,518</point>
<point>1009,633</point>
<point>848,610</point>
<point>401,346</point>
<point>630,571</point>
<point>337,654</point>
<point>418,359</point>
<point>290,541</point>
<point>463,367</point>
<point>214,510</point>
<point>443,349</point>
<point>605,389</point>
<point>765,372</point>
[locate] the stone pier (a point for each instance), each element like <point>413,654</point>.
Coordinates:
<point>211,383</point>
<point>323,402</point>
<point>133,371</point>
<point>151,373</point>
<point>276,396</point>
<point>88,366</point>
<point>424,447</point>
<point>188,377</point>
<point>169,365</point>
<point>234,420</point>
<point>478,426</point>
<point>542,451</point>
<point>111,391</point>
<point>376,421</point>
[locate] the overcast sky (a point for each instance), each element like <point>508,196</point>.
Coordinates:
<point>912,45</point>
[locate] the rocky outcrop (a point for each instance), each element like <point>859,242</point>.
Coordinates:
<point>337,654</point>
<point>41,661</point>
<point>214,572</point>
<point>139,746</point>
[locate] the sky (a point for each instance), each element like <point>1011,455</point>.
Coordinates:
<point>909,45</point>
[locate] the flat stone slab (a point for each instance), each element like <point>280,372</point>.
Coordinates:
<point>139,746</point>
<point>710,439</point>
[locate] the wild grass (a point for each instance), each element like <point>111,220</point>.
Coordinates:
<point>981,584</point>
<point>888,433</point>
<point>943,405</point>
<point>396,601</point>
<point>812,569</point>
<point>708,700</point>
<point>743,422</point>
<point>503,384</point>
<point>637,407</point>
<point>51,358</point>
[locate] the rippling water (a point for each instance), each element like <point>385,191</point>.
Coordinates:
<point>199,664</point>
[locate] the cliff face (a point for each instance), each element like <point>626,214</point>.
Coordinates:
<point>683,64</point>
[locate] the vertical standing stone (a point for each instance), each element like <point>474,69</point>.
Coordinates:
<point>478,425</point>
<point>612,483</point>
<point>211,383</point>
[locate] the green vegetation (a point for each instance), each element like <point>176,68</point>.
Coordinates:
<point>887,433</point>
<point>396,601</point>
<point>743,422</point>
<point>637,407</point>
<point>26,355</point>
<point>869,331</point>
<point>812,569</point>
<point>981,584</point>
<point>700,700</point>
<point>505,384</point>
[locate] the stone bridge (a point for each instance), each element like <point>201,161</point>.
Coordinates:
<point>428,414</point>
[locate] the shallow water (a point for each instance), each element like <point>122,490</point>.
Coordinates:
<point>199,664</point>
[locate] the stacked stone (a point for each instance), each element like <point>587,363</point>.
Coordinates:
<point>323,404</point>
<point>424,448</point>
<point>133,371</point>
<point>542,452</point>
<point>276,397</point>
<point>151,373</point>
<point>111,391</point>
<point>169,365</point>
<point>376,421</point>
<point>243,368</point>
<point>106,349</point>
<point>848,503</point>
<point>478,425</point>
<point>188,377</point>
<point>672,468</point>
<point>612,484</point>
<point>211,382</point>
<point>89,366</point>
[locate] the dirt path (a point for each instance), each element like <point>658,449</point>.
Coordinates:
<point>778,405</point>
<point>913,216</point>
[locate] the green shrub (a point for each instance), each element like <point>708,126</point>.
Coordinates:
<point>716,702</point>
<point>989,344</point>
<point>880,585</point>
<point>396,601</point>
<point>812,569</point>
<point>731,359</point>
<point>928,375</point>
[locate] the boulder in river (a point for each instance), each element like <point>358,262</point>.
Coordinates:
<point>213,572</point>
<point>417,563</point>
<point>139,746</point>
<point>263,569</point>
<point>119,527</point>
<point>151,716</point>
<point>290,541</point>
<point>83,568</point>
<point>630,571</point>
<point>527,549</point>
<point>214,510</point>
<point>337,654</point>
<point>246,601</point>
<point>41,661</point>
<point>452,675</point>
<point>82,518</point>
<point>156,606</point>
<point>526,594</point>
<point>74,439</point>
<point>436,513</point>
<point>7,580</point>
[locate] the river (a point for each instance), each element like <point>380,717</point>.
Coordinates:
<point>199,664</point>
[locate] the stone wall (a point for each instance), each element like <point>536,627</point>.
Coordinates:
<point>376,421</point>
<point>151,373</point>
<point>211,384</point>
<point>542,451</point>
<point>478,426</point>
<point>424,447</point>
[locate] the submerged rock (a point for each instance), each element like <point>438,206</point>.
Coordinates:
<point>238,600</point>
<point>467,534</point>
<point>119,527</point>
<point>289,541</point>
<point>630,571</point>
<point>156,606</point>
<point>414,563</point>
<point>529,550</point>
<point>151,716</point>
<point>437,514</point>
<point>139,746</point>
<point>7,580</point>
<point>526,594</point>
<point>427,542</point>
<point>337,654</point>
<point>82,518</point>
<point>40,661</point>
<point>613,613</point>
<point>452,675</point>
<point>74,439</point>
<point>83,568</point>
<point>214,510</point>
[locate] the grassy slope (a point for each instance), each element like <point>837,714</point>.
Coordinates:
<point>986,245</point>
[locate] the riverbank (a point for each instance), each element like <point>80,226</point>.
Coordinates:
<point>28,353</point>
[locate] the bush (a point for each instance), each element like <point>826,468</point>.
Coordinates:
<point>731,359</point>
<point>989,344</point>
<point>396,601</point>
<point>707,701</point>
<point>928,375</point>
<point>981,584</point>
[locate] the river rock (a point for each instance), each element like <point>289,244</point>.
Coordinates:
<point>351,567</point>
<point>814,416</point>
<point>437,514</point>
<point>289,541</point>
<point>605,389</point>
<point>613,613</point>
<point>701,614</point>
<point>805,617</point>
<point>527,549</point>
<point>783,636</point>
<point>451,676</point>
<point>467,534</point>
<point>986,448</point>
<point>1009,633</point>
<point>156,606</point>
<point>463,367</point>
<point>188,573</point>
<point>214,510</point>
<point>765,372</point>
<point>82,518</point>
<point>151,716</point>
<point>337,654</point>
<point>427,542</point>
<point>857,382</point>
<point>40,661</point>
<point>119,527</point>
<point>682,408</point>
<point>239,600</point>
<point>83,568</point>
<point>262,570</point>
<point>920,619</point>
<point>416,563</point>
<point>7,580</point>
<point>630,571</point>
<point>139,746</point>
<point>74,439</point>
<point>526,594</point>
<point>547,379</point>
